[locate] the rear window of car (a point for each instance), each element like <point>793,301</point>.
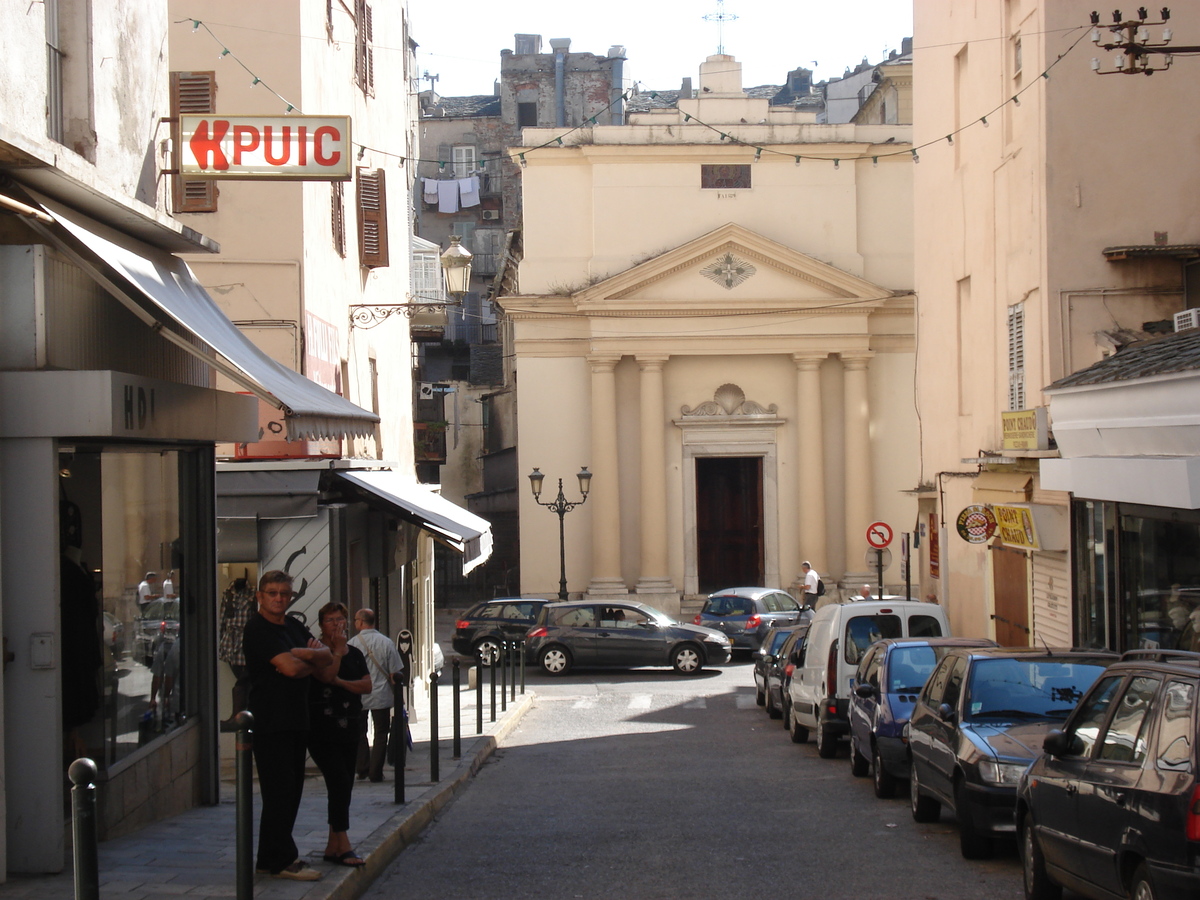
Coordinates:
<point>487,611</point>
<point>924,626</point>
<point>863,631</point>
<point>729,606</point>
<point>573,617</point>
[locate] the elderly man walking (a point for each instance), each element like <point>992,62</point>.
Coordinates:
<point>384,665</point>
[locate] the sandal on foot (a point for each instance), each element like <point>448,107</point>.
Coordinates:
<point>349,858</point>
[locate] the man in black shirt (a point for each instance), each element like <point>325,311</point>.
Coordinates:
<point>280,657</point>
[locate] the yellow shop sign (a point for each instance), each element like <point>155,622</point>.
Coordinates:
<point>1014,526</point>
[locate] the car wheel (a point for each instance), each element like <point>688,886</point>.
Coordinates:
<point>798,732</point>
<point>686,659</point>
<point>487,651</point>
<point>827,744</point>
<point>883,780</point>
<point>859,764</point>
<point>1038,885</point>
<point>972,844</point>
<point>924,809</point>
<point>1142,887</point>
<point>760,696</point>
<point>556,660</point>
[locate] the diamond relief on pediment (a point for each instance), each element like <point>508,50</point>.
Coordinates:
<point>730,400</point>
<point>728,271</point>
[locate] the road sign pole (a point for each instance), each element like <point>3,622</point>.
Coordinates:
<point>879,569</point>
<point>907,563</point>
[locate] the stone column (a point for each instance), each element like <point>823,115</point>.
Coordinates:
<point>860,494</point>
<point>606,483</point>
<point>653,577</point>
<point>810,459</point>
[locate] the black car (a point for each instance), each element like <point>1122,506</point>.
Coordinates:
<point>1112,807</point>
<point>158,617</point>
<point>769,663</point>
<point>977,724</point>
<point>483,627</point>
<point>626,634</point>
<point>746,614</point>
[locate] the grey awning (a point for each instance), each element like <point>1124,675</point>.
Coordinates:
<point>161,288</point>
<point>267,494</point>
<point>413,501</point>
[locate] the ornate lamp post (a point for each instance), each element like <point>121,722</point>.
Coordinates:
<point>456,268</point>
<point>562,507</point>
<point>456,275</point>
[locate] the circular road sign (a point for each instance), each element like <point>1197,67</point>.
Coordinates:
<point>879,534</point>
<point>874,558</point>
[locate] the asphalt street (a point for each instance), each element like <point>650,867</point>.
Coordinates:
<point>642,784</point>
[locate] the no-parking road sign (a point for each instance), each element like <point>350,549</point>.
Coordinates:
<point>879,534</point>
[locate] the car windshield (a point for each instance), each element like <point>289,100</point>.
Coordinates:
<point>909,668</point>
<point>1029,688</point>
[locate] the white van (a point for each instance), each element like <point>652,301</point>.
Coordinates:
<point>838,636</point>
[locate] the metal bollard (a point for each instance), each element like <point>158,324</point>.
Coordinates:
<point>503,676</point>
<point>434,771</point>
<point>398,739</point>
<point>512,672</point>
<point>478,697</point>
<point>244,810</point>
<point>82,773</point>
<point>523,661</point>
<point>457,713</point>
<point>492,680</point>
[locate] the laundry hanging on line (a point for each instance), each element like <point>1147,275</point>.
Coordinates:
<point>451,194</point>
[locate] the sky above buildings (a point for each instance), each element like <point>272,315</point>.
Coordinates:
<point>665,40</point>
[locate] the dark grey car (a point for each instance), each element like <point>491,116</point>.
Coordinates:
<point>746,614</point>
<point>626,634</point>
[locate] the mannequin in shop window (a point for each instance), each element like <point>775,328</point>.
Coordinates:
<point>81,633</point>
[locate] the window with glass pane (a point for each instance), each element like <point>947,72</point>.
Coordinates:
<point>863,631</point>
<point>1091,717</point>
<point>123,589</point>
<point>1125,739</point>
<point>463,157</point>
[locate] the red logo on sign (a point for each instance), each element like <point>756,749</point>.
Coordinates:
<point>248,138</point>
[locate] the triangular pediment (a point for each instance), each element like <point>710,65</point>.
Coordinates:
<point>731,266</point>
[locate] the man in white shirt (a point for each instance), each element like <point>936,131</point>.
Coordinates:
<point>149,589</point>
<point>811,580</point>
<point>383,663</point>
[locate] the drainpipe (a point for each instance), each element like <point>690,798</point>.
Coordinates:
<point>617,54</point>
<point>560,46</point>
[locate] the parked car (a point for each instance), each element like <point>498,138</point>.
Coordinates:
<point>482,628</point>
<point>780,675</point>
<point>838,637</point>
<point>1112,806</point>
<point>627,634</point>
<point>157,616</point>
<point>114,635</point>
<point>978,723</point>
<point>885,688</point>
<point>768,666</point>
<point>746,614</point>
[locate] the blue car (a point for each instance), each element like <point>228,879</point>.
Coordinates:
<point>885,687</point>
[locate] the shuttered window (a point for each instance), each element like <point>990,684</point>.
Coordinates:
<point>364,48</point>
<point>1016,357</point>
<point>338,217</point>
<point>372,218</point>
<point>192,93</point>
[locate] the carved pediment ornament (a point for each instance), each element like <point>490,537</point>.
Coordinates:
<point>728,271</point>
<point>730,400</point>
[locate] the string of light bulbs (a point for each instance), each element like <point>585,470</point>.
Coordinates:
<point>725,135</point>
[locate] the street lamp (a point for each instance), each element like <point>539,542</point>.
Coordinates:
<point>562,507</point>
<point>456,268</point>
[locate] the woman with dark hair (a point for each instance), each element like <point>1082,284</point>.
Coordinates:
<point>335,699</point>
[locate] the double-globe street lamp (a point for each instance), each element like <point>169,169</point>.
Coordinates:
<point>561,506</point>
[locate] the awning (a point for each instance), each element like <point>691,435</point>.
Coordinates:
<point>1001,487</point>
<point>412,501</point>
<point>161,289</point>
<point>267,493</point>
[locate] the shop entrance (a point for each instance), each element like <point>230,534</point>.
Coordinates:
<point>729,522</point>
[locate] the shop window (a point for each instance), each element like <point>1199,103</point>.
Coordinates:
<point>129,596</point>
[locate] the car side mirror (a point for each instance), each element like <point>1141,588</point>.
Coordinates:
<point>1059,743</point>
<point>946,712</point>
<point>865,690</point>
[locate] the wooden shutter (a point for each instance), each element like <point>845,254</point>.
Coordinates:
<point>192,93</point>
<point>372,218</point>
<point>364,50</point>
<point>338,217</point>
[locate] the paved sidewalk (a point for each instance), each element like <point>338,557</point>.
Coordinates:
<point>193,855</point>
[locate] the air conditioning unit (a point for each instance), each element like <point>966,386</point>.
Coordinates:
<point>490,215</point>
<point>1189,318</point>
